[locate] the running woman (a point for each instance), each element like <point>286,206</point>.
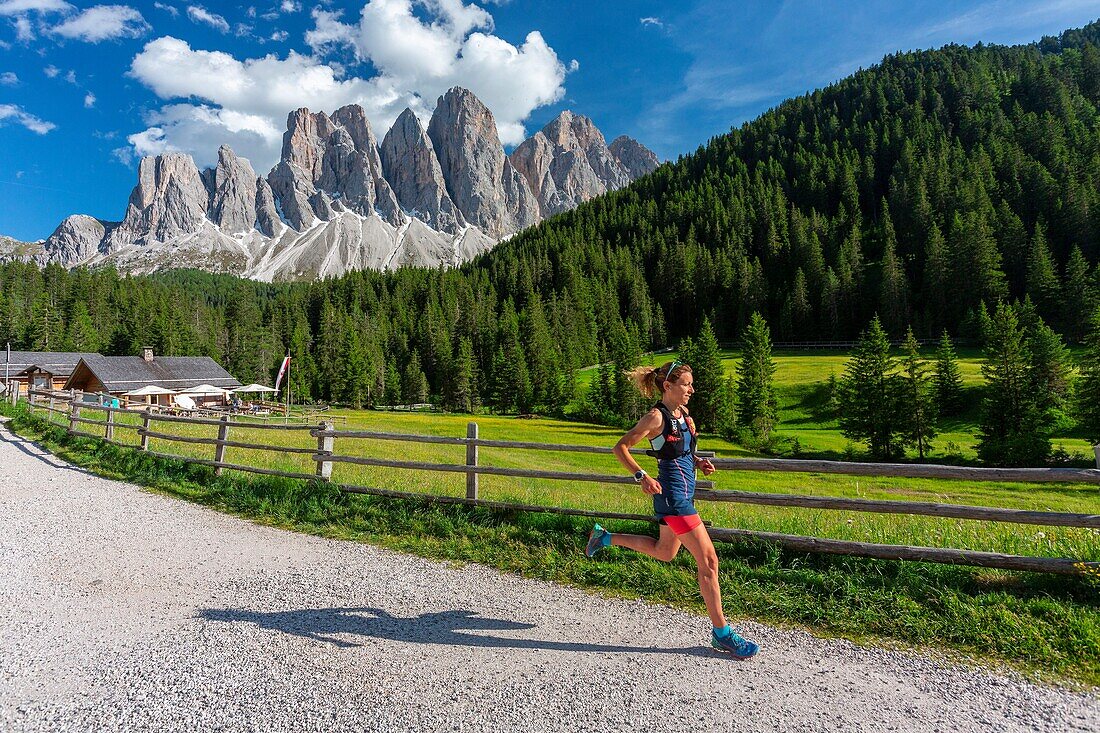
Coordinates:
<point>671,433</point>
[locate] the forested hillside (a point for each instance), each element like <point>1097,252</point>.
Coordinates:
<point>919,189</point>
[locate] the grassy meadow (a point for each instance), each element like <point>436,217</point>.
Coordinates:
<point>802,390</point>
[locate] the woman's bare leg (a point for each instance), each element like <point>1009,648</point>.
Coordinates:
<point>698,543</point>
<point>663,548</point>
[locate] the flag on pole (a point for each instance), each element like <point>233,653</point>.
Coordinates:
<point>282,370</point>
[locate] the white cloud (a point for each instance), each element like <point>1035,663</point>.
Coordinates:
<point>9,79</point>
<point>454,48</point>
<point>328,32</point>
<point>23,31</point>
<point>245,102</point>
<point>279,36</point>
<point>103,22</point>
<point>89,100</point>
<point>289,6</point>
<point>170,9</point>
<point>71,77</point>
<point>51,71</point>
<point>199,14</point>
<point>652,21</point>
<point>18,7</point>
<point>15,113</point>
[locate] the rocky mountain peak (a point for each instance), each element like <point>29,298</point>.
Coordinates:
<point>76,239</point>
<point>304,140</point>
<point>410,165</point>
<point>232,185</point>
<point>484,186</point>
<point>168,201</point>
<point>637,159</point>
<point>567,163</point>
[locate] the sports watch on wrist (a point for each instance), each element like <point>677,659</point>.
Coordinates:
<point>639,475</point>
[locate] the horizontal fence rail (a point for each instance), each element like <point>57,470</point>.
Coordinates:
<point>324,456</point>
<point>887,506</point>
<point>913,470</point>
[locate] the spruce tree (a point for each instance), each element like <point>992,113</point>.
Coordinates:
<point>460,390</point>
<point>1043,285</point>
<point>1088,384</point>
<point>917,398</point>
<point>1011,431</point>
<point>947,378</point>
<point>1048,371</point>
<point>414,384</point>
<point>712,406</point>
<point>354,369</point>
<point>893,287</point>
<point>1078,297</point>
<point>869,395</point>
<point>756,400</point>
<point>82,334</point>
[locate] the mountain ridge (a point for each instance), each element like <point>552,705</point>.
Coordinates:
<point>337,200</point>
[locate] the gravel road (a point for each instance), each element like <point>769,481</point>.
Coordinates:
<point>125,610</point>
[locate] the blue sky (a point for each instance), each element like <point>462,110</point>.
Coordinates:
<point>86,89</point>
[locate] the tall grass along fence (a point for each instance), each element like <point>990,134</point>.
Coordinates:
<point>70,410</point>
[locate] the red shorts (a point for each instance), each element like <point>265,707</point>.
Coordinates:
<point>682,525</point>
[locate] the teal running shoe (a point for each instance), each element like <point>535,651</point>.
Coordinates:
<point>598,539</point>
<point>734,645</point>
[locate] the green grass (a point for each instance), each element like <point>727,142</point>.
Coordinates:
<point>801,384</point>
<point>1039,624</point>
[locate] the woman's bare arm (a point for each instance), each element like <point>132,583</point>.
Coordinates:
<point>648,427</point>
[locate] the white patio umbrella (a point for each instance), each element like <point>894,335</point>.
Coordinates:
<point>204,390</point>
<point>254,388</point>
<point>152,389</point>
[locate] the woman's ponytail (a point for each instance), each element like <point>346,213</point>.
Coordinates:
<point>650,380</point>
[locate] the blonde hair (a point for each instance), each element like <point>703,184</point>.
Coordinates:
<point>650,380</point>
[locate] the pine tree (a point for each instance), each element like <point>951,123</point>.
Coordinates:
<point>947,378</point>
<point>414,384</point>
<point>1078,299</point>
<point>918,399</point>
<point>756,401</point>
<point>1048,372</point>
<point>461,389</point>
<point>712,406</point>
<point>82,334</point>
<point>869,409</point>
<point>1088,384</point>
<point>393,384</point>
<point>354,375</point>
<point>624,354</point>
<point>1011,431</point>
<point>893,288</point>
<point>1043,286</point>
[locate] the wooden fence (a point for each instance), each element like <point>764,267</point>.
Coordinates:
<point>66,408</point>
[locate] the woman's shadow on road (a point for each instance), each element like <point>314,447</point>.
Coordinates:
<point>450,628</point>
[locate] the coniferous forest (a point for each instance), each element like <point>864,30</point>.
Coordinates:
<point>925,190</point>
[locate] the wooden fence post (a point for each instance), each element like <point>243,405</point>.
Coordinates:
<point>219,450</point>
<point>471,460</point>
<point>49,415</point>
<point>74,413</point>
<point>109,429</point>
<point>324,448</point>
<point>145,431</point>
